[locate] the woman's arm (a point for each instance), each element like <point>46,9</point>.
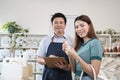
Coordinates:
<point>72,63</point>
<point>85,66</point>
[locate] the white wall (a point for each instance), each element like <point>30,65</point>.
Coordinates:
<point>35,14</point>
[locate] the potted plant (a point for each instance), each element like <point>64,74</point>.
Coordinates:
<point>12,28</point>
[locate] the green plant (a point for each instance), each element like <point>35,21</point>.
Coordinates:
<point>110,31</point>
<point>12,28</point>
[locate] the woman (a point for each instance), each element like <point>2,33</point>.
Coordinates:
<point>88,49</point>
<point>51,46</point>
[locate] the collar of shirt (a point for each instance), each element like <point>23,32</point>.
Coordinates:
<point>65,35</point>
<point>60,39</point>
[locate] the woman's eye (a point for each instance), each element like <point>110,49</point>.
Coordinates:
<point>76,27</point>
<point>82,25</point>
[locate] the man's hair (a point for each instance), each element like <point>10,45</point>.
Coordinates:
<point>58,15</point>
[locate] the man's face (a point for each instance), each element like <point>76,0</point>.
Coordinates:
<point>58,25</point>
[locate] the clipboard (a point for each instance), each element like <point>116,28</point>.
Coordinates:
<point>50,61</point>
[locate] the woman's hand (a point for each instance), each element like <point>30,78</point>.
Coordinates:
<point>66,47</point>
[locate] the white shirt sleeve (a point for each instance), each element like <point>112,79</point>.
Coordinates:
<point>43,46</point>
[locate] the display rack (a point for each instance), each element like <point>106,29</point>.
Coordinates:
<point>115,37</point>
<point>104,38</point>
<point>110,68</point>
<point>23,43</point>
<point>111,43</point>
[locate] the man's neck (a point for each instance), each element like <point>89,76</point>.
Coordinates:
<point>60,34</point>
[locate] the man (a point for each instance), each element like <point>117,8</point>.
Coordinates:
<point>51,46</point>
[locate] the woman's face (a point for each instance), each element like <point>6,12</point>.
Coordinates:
<point>59,25</point>
<point>81,28</point>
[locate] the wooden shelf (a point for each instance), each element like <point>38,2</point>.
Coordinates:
<point>39,73</point>
<point>112,53</point>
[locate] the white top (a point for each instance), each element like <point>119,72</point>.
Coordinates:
<point>42,50</point>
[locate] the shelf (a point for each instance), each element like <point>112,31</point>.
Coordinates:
<point>116,35</point>
<point>32,60</point>
<point>29,60</point>
<point>22,44</point>
<point>112,53</point>
<point>103,34</point>
<point>104,38</point>
<point>39,73</point>
<point>19,47</point>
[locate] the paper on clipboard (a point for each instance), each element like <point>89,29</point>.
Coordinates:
<point>50,61</point>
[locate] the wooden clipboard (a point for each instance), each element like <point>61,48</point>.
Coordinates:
<point>50,61</point>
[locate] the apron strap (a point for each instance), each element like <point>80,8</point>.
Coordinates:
<point>54,36</point>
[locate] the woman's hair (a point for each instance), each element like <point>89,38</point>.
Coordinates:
<point>58,15</point>
<point>91,31</point>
